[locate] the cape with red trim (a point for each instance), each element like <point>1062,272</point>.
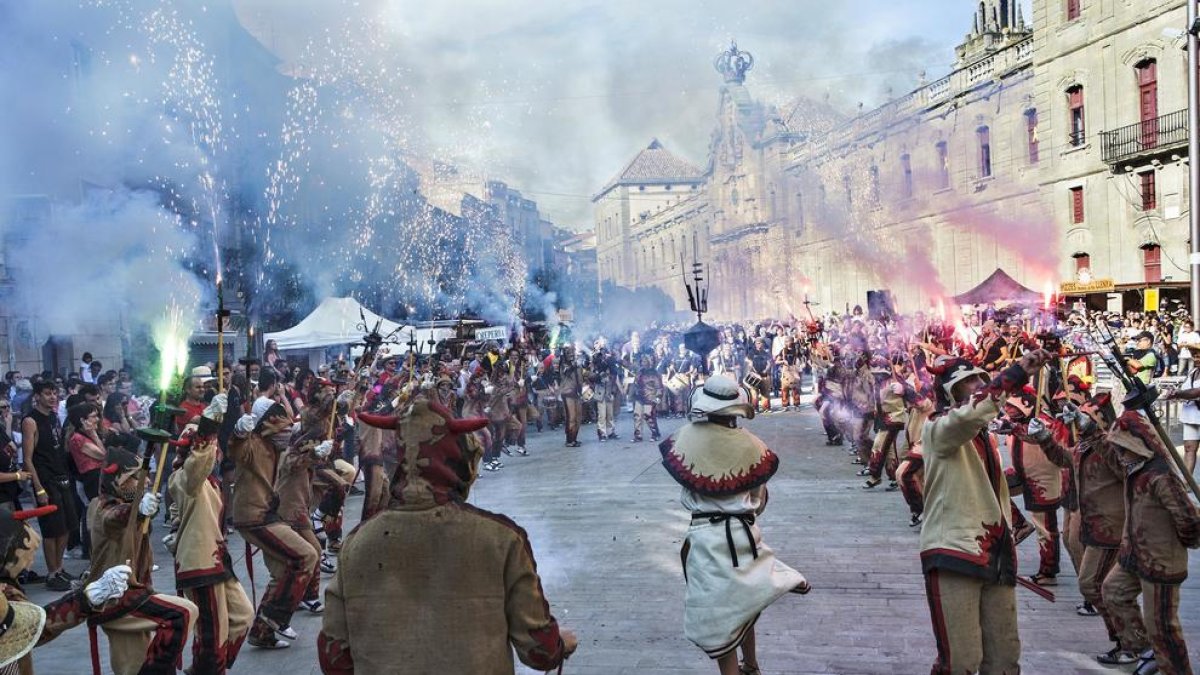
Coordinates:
<point>717,461</point>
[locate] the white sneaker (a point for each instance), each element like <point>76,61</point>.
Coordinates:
<point>313,606</point>
<point>287,632</point>
<point>328,564</point>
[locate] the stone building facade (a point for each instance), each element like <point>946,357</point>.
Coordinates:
<point>1111,76</point>
<point>929,194</point>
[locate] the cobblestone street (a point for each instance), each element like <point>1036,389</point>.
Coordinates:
<point>606,526</point>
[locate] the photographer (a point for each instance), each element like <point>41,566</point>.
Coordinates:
<point>1142,361</point>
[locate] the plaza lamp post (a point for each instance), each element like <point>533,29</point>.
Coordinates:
<point>1193,49</point>
<point>701,338</point>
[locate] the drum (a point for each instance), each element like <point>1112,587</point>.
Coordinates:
<point>752,381</point>
<point>677,384</point>
<point>586,395</point>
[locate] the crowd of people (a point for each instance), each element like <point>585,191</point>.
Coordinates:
<point>272,449</point>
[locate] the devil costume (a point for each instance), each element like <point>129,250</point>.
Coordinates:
<point>460,580</point>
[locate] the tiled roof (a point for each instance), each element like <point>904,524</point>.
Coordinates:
<point>655,164</point>
<point>805,115</point>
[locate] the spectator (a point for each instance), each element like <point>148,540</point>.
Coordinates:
<point>1142,360</point>
<point>1188,340</point>
<point>46,459</point>
<point>85,367</point>
<point>11,475</point>
<point>88,455</point>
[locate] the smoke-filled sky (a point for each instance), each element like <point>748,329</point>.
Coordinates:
<point>301,130</point>
<point>554,97</point>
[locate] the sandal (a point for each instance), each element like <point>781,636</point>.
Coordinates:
<point>749,670</point>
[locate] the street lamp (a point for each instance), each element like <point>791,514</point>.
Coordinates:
<point>1193,48</point>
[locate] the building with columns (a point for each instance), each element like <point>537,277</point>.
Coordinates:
<point>926,196</point>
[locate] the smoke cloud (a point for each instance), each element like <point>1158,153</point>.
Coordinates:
<point>306,147</point>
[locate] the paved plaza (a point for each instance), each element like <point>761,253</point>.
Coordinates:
<point>606,526</point>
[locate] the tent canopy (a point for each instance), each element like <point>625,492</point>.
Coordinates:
<point>999,288</point>
<point>334,322</point>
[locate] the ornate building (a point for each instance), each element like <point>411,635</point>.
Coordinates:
<point>1111,78</point>
<point>927,195</point>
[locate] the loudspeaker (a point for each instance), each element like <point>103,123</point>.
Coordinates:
<point>880,306</point>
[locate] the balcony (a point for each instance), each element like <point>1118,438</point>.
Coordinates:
<point>1144,140</point>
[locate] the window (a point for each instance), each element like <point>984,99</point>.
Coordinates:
<point>1077,205</point>
<point>1083,261</point>
<point>1076,119</point>
<point>1073,9</point>
<point>1152,263</point>
<point>849,192</point>
<point>874,173</point>
<point>943,165</point>
<point>906,174</point>
<point>1031,135</point>
<point>800,209</point>
<point>1149,192</point>
<point>1147,79</point>
<point>984,136</point>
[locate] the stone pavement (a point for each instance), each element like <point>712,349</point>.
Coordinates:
<point>606,526</point>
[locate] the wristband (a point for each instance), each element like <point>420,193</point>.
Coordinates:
<point>40,492</point>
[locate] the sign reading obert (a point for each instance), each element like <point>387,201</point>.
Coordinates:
<point>1086,287</point>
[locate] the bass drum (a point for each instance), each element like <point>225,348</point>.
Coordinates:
<point>689,391</point>
<point>677,384</point>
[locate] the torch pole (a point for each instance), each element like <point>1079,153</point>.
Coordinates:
<point>220,336</point>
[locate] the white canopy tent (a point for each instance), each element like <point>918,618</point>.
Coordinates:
<point>334,322</point>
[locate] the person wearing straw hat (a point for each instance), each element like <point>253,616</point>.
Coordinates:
<point>731,575</point>
<point>968,555</point>
<point>21,625</point>
<point>19,543</point>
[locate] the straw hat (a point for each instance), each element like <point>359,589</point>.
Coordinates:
<point>21,627</point>
<point>721,395</point>
<point>204,373</point>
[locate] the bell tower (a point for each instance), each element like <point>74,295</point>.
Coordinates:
<point>996,25</point>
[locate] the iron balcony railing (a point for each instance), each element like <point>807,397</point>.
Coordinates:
<point>1161,134</point>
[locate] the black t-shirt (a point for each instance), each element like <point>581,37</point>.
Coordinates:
<point>50,457</point>
<point>8,464</point>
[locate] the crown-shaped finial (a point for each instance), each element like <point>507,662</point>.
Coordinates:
<point>733,64</point>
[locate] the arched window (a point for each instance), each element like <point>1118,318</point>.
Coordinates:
<point>1076,120</point>
<point>984,137</point>
<point>943,165</point>
<point>906,176</point>
<point>1031,135</point>
<point>1147,80</point>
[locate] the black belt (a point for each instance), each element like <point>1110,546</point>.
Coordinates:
<point>746,519</point>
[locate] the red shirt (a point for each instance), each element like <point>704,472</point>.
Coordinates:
<point>193,408</point>
<point>83,462</point>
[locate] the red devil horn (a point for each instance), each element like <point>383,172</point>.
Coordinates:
<point>111,469</point>
<point>34,513</point>
<point>380,421</point>
<point>466,426</point>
